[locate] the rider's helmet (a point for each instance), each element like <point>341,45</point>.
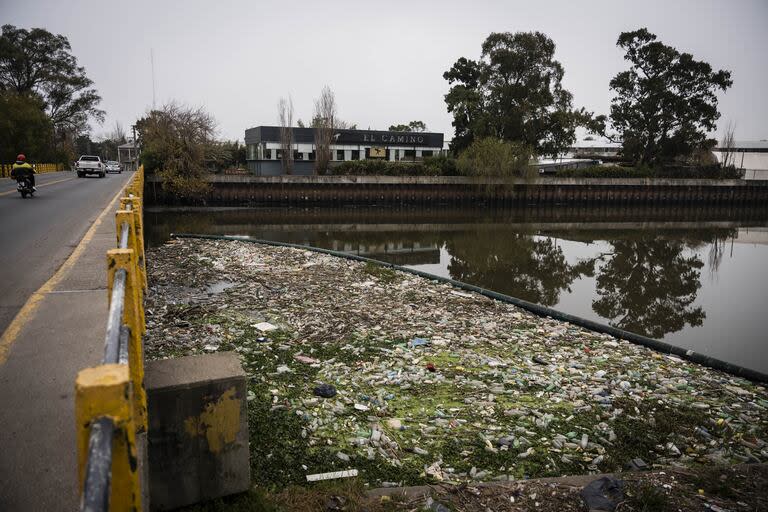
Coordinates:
<point>21,157</point>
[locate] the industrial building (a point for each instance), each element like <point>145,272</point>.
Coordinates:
<point>263,147</point>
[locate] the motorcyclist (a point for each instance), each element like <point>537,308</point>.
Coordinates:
<point>21,169</point>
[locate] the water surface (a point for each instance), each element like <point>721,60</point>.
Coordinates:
<point>692,277</point>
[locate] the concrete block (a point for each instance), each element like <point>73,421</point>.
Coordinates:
<point>198,429</point>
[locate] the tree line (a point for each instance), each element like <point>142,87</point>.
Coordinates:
<point>46,98</point>
<point>662,108</point>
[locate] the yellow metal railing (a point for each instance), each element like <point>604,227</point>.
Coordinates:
<point>110,399</point>
<point>5,169</point>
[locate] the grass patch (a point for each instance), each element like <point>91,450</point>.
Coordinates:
<point>646,497</point>
<point>383,274</point>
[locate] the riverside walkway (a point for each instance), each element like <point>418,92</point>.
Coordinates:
<point>53,304</point>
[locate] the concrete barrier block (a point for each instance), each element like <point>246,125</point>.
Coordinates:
<point>198,429</point>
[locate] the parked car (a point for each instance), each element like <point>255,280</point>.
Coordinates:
<point>88,164</point>
<point>113,166</point>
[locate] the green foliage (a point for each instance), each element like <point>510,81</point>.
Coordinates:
<point>24,128</point>
<point>413,126</point>
<point>665,102</point>
<point>711,172</point>
<point>40,63</point>
<point>491,157</point>
<point>513,93</point>
<point>429,166</point>
<point>177,144</point>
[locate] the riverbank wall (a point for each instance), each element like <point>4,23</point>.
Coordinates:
<point>246,190</point>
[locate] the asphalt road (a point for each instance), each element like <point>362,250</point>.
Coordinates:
<point>38,234</point>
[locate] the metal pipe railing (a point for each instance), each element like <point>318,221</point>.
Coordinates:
<point>98,474</point>
<point>101,417</point>
<point>115,318</point>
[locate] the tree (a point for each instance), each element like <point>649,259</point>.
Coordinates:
<point>40,63</point>
<point>300,124</point>
<point>490,157</point>
<point>24,128</point>
<point>728,147</point>
<point>665,102</point>
<point>324,122</point>
<point>285,115</point>
<point>513,93</point>
<point>176,143</point>
<point>413,126</point>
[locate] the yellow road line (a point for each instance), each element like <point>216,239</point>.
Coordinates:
<point>40,185</point>
<point>27,311</point>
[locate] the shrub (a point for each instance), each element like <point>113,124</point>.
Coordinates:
<point>711,172</point>
<point>430,166</point>
<point>491,157</point>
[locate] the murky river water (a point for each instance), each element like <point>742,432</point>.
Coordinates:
<point>697,278</point>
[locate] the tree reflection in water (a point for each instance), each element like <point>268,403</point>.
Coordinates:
<point>517,264</point>
<point>648,286</point>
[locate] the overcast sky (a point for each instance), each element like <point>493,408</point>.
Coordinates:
<point>384,59</point>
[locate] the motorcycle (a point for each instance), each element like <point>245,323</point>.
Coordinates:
<point>24,186</point>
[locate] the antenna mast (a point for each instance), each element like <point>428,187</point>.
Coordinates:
<point>152,62</point>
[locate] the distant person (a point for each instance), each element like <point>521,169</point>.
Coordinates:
<point>21,168</point>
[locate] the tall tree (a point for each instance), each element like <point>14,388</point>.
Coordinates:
<point>24,128</point>
<point>38,62</point>
<point>514,93</point>
<point>177,144</point>
<point>324,122</point>
<point>285,116</point>
<point>665,103</point>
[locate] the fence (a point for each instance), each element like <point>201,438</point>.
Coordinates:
<point>110,399</point>
<point>5,169</point>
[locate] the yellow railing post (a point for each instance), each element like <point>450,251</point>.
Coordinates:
<point>126,259</point>
<point>138,216</point>
<point>106,391</point>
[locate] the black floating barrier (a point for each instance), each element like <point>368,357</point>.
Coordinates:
<point>536,309</point>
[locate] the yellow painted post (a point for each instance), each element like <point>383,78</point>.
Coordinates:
<point>106,391</point>
<point>126,259</point>
<point>129,217</point>
<point>138,218</point>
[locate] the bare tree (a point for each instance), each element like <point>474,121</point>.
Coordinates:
<point>118,134</point>
<point>324,123</point>
<point>285,114</point>
<point>727,146</point>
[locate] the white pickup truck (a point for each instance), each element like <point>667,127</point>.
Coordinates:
<point>90,165</point>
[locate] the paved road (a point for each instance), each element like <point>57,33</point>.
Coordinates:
<point>52,251</point>
<point>37,235</point>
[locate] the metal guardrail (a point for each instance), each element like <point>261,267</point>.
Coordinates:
<point>5,169</point>
<point>110,399</point>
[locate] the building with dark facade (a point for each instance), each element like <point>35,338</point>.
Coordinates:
<point>264,148</point>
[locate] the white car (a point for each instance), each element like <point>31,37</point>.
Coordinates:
<point>113,166</point>
<point>88,164</point>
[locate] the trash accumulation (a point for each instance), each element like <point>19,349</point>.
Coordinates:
<point>352,366</point>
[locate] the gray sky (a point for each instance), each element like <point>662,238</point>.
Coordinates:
<point>384,59</point>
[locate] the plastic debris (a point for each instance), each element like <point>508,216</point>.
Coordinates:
<point>418,342</point>
<point>332,475</point>
<point>637,464</point>
<point>325,391</point>
<point>265,327</point>
<point>505,380</point>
